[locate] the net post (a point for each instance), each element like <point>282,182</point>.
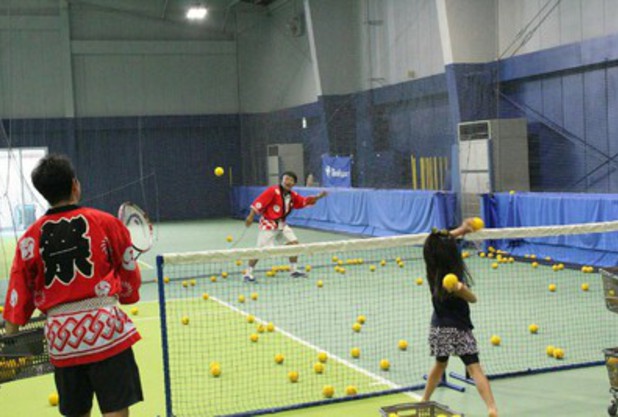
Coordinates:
<point>164,342</point>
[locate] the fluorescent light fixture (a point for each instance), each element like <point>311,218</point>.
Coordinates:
<point>197,12</point>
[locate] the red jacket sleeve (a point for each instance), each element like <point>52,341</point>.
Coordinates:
<point>124,262</point>
<point>264,200</point>
<point>302,202</point>
<point>19,304</point>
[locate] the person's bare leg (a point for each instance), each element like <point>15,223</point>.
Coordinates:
<point>482,385</point>
<point>433,379</point>
<point>293,259</point>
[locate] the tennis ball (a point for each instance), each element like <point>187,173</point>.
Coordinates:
<point>393,415</point>
<point>279,358</point>
<point>372,268</point>
<point>548,258</point>
<point>328,391</point>
<point>494,265</point>
<point>205,296</point>
<point>166,280</point>
<point>185,320</point>
<point>382,262</point>
<point>229,238</point>
<point>552,287</point>
<point>535,264</point>
<point>482,254</point>
<point>318,367</point>
<point>293,376</point>
<point>512,192</point>
<point>401,264</point>
<point>450,281</point>
<point>238,262</point>
<point>339,262</point>
<point>355,352</point>
<point>322,357</point>
<point>270,327</point>
<point>214,363</point>
<point>555,267</point>
<point>224,274</point>
<point>351,390</point>
<point>558,353</point>
<point>533,328</point>
<point>135,311</point>
<point>398,259</point>
<point>320,284</point>
<point>270,273</point>
<point>185,284</point>
<point>585,286</point>
<point>261,328</point>
<point>254,296</point>
<point>215,371</point>
<point>477,223</point>
<point>402,344</point>
<point>53,399</point>
<point>241,298</point>
<point>357,327</point>
<point>533,256</point>
<point>495,340</point>
<point>419,281</point>
<point>219,171</point>
<point>250,318</point>
<point>254,337</point>
<point>308,268</point>
<point>213,279</point>
<point>361,319</point>
<point>550,350</point>
<point>193,282</point>
<point>335,259</point>
<point>385,365</point>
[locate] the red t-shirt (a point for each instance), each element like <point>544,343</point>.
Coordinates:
<point>271,205</point>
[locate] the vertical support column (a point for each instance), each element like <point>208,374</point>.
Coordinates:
<point>65,41</point>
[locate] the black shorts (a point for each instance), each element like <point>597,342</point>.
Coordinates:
<point>115,381</point>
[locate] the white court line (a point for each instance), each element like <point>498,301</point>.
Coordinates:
<point>142,263</point>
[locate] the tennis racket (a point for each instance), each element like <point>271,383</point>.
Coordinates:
<point>240,238</point>
<point>139,225</point>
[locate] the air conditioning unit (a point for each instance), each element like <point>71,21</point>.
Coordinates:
<point>493,157</point>
<point>284,157</point>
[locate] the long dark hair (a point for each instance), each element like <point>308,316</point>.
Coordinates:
<point>442,256</point>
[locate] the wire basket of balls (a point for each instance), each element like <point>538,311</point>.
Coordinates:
<point>420,409</point>
<point>611,363</point>
<point>610,288</point>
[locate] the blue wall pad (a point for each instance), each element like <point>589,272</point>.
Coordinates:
<point>364,211</point>
<point>545,209</point>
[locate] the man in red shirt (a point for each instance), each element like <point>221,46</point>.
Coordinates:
<point>274,205</point>
<point>75,264</point>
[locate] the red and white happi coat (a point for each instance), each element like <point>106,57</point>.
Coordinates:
<point>75,264</point>
<point>274,206</point>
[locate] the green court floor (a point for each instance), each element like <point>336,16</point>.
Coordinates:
<point>582,392</point>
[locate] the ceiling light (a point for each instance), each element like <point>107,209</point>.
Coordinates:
<point>197,12</point>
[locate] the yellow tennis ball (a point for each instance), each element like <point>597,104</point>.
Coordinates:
<point>533,328</point>
<point>372,268</point>
<point>585,286</point>
<point>224,274</point>
<point>270,273</point>
<point>261,328</point>
<point>385,365</point>
<point>535,264</point>
<point>450,281</point>
<point>328,391</point>
<point>550,350</point>
<point>213,279</point>
<point>382,262</point>
<point>393,415</point>
<point>477,223</point>
<point>357,327</point>
<point>219,171</point>
<point>205,296</point>
<point>320,284</point>
<point>229,238</point>
<point>351,390</point>
<point>270,327</point>
<point>308,268</point>
<point>318,367</point>
<point>238,262</point>
<point>254,296</point>
<point>552,287</point>
<point>193,282</point>
<point>482,254</point>
<point>495,340</point>
<point>322,357</point>
<point>402,344</point>
<point>279,358</point>
<point>293,376</point>
<point>185,284</point>
<point>355,352</point>
<point>166,279</point>
<point>335,259</point>
<point>215,371</point>
<point>419,281</point>
<point>401,264</point>
<point>250,318</point>
<point>494,265</point>
<point>53,399</point>
<point>135,311</point>
<point>361,319</point>
<point>558,353</point>
<point>512,192</point>
<point>241,298</point>
<point>185,320</point>
<point>254,337</point>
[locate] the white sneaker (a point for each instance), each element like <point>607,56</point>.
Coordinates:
<point>249,278</point>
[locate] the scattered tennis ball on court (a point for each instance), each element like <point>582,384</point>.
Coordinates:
<point>270,327</point>
<point>254,337</point>
<point>320,284</point>
<point>419,281</point>
<point>357,327</point>
<point>318,367</point>
<point>193,282</point>
<point>372,268</point>
<point>293,376</point>
<point>402,344</point>
<point>254,296</point>
<point>328,391</point>
<point>532,256</point>
<point>261,328</point>
<point>53,399</point>
<point>450,281</point>
<point>482,254</point>
<point>550,350</point>
<point>219,171</point>
<point>585,286</point>
<point>382,262</point>
<point>342,270</point>
<point>512,192</point>
<point>215,370</point>
<point>401,264</point>
<point>355,352</point>
<point>477,223</point>
<point>238,262</point>
<point>308,268</point>
<point>279,358</point>
<point>250,318</point>
<point>351,390</point>
<point>322,357</point>
<point>339,262</point>
<point>533,328</point>
<point>135,311</point>
<point>185,320</point>
<point>229,238</point>
<point>558,353</point>
<point>535,264</point>
<point>205,296</point>
<point>241,298</point>
<point>224,274</point>
<point>548,258</point>
<point>185,284</point>
<point>361,319</point>
<point>166,279</point>
<point>385,365</point>
<point>552,287</point>
<point>335,259</point>
<point>495,340</point>
<point>270,273</point>
<point>213,279</point>
<point>494,265</point>
<point>393,415</point>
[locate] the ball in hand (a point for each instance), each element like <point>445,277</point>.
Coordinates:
<point>450,281</point>
<point>477,223</point>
